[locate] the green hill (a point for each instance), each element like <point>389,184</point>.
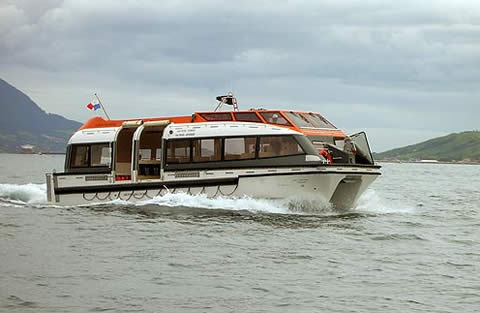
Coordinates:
<point>463,146</point>
<point>23,122</point>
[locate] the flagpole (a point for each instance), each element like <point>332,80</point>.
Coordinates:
<point>101,104</point>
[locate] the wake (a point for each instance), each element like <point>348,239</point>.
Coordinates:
<point>29,193</point>
<point>370,202</point>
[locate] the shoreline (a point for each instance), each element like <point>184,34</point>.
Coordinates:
<point>420,162</point>
<point>35,153</point>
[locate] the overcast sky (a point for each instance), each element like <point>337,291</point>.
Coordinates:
<point>404,71</point>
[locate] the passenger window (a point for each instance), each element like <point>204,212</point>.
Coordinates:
<point>205,150</point>
<point>275,118</point>
<point>145,154</point>
<point>100,155</point>
<point>274,146</point>
<point>178,151</point>
<point>240,148</point>
<point>79,156</point>
<point>95,155</point>
<point>158,154</point>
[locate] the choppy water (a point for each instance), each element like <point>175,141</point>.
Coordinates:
<point>411,245</point>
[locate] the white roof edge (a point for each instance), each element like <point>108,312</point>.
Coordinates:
<point>187,130</point>
<point>92,135</point>
<point>222,129</point>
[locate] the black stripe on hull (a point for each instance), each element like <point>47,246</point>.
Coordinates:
<point>310,173</point>
<point>147,186</point>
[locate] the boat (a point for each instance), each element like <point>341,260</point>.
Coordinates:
<point>272,154</point>
<point>27,149</point>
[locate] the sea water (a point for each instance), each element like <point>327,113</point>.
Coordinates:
<point>412,244</point>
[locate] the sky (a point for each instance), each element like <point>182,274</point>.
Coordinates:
<point>403,71</point>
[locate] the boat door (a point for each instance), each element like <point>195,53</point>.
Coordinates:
<point>364,154</point>
<point>147,151</point>
<point>123,150</point>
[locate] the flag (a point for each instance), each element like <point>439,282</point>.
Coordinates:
<point>94,105</point>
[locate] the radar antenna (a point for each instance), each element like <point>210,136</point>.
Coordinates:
<point>229,99</point>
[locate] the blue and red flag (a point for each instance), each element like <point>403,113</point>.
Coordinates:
<point>94,105</point>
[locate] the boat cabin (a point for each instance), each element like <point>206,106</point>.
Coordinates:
<point>139,151</point>
<point>329,141</point>
<point>311,124</point>
<point>259,153</point>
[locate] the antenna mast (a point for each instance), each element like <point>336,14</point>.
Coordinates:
<point>229,99</point>
<point>103,108</point>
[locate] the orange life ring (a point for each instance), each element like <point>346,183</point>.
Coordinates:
<point>326,155</point>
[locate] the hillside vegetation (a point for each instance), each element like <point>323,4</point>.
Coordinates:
<point>23,122</point>
<point>463,146</point>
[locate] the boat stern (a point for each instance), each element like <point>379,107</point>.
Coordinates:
<point>50,187</point>
<point>349,190</point>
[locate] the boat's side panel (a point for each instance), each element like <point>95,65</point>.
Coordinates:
<point>340,186</point>
<point>76,180</point>
<point>318,185</point>
<point>350,189</point>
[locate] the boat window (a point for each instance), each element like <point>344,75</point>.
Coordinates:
<point>178,151</point>
<point>158,154</point>
<point>274,146</point>
<point>150,144</point>
<point>80,156</point>
<point>205,150</point>
<point>299,120</point>
<point>275,118</point>
<point>319,121</point>
<point>144,154</point>
<point>216,116</point>
<point>100,155</point>
<point>92,155</point>
<point>240,148</point>
<point>247,117</point>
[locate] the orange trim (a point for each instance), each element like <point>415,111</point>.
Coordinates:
<point>98,122</point>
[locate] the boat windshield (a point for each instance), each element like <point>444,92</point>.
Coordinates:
<point>220,116</point>
<point>275,118</point>
<point>300,120</point>
<point>319,121</point>
<point>247,117</point>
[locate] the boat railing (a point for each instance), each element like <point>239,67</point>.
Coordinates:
<point>337,154</point>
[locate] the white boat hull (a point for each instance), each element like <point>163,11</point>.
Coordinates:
<point>339,185</point>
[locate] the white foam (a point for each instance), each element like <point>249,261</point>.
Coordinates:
<point>202,201</point>
<point>292,205</point>
<point>370,201</point>
<point>29,193</point>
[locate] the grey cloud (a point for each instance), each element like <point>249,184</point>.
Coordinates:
<point>387,63</point>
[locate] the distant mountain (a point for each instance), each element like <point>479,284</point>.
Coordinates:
<point>463,146</point>
<point>23,122</point>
